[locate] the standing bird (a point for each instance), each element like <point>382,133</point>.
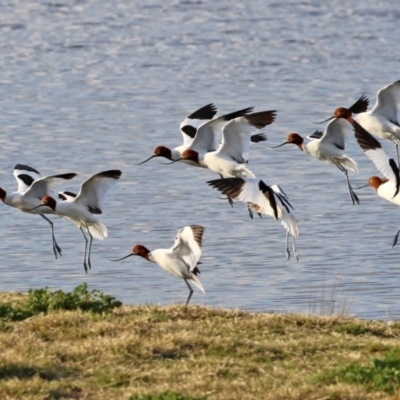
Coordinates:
<point>387,187</point>
<point>31,189</point>
<point>382,119</point>
<point>330,149</point>
<point>181,259</point>
<point>268,200</point>
<point>82,209</point>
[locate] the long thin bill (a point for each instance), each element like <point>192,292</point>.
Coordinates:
<point>172,162</point>
<point>147,160</point>
<point>123,258</point>
<point>361,187</point>
<point>275,147</point>
<point>324,121</point>
<point>34,208</point>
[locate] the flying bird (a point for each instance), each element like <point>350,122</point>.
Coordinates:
<point>31,189</point>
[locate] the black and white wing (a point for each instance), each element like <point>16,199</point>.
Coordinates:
<point>25,176</point>
<point>190,124</point>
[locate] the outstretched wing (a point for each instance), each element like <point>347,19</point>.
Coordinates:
<point>388,101</point>
<point>43,186</point>
<point>94,189</point>
<point>336,132</point>
<point>264,199</point>
<point>188,245</point>
<point>209,134</point>
<point>25,176</point>
<point>236,134</point>
<point>361,105</point>
<point>190,124</point>
<point>374,151</point>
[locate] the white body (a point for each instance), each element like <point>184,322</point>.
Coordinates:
<point>29,197</point>
<point>175,265</point>
<point>386,191</point>
<point>83,209</point>
<point>224,165</point>
<point>374,151</point>
<point>382,119</point>
<point>330,148</point>
<point>230,159</point>
<point>182,258</point>
<point>81,217</point>
<point>260,202</point>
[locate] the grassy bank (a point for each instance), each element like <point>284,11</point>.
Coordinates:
<point>84,345</point>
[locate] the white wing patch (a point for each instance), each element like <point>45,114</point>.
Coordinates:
<point>388,101</point>
<point>188,245</point>
<point>94,189</point>
<point>25,176</point>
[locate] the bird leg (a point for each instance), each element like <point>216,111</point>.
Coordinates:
<point>190,292</point>
<point>84,255</point>
<point>395,239</point>
<point>229,199</point>
<point>294,249</point>
<point>353,196</point>
<point>287,247</point>
<point>56,248</point>
<point>90,246</point>
<point>250,211</point>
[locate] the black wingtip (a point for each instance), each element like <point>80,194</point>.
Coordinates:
<point>364,138</point>
<point>206,112</point>
<point>112,173</point>
<point>236,114</point>
<point>26,168</point>
<point>261,119</point>
<point>66,176</point>
<point>361,105</point>
<point>259,137</point>
<point>396,172</point>
<point>316,135</point>
<point>271,196</point>
<point>230,187</point>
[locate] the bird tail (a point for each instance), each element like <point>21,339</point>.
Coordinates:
<point>349,163</point>
<point>197,282</point>
<point>290,224</point>
<point>98,230</point>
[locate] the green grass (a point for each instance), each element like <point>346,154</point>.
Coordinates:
<point>380,374</point>
<point>86,345</point>
<point>45,300</point>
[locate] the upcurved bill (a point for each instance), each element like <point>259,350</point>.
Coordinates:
<point>147,159</point>
<point>123,258</point>
<point>274,147</point>
<point>362,186</point>
<point>325,120</point>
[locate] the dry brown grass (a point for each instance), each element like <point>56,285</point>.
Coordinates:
<point>197,352</point>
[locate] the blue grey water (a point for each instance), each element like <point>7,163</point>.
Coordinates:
<point>92,85</point>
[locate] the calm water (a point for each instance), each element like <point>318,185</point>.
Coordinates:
<point>92,85</point>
